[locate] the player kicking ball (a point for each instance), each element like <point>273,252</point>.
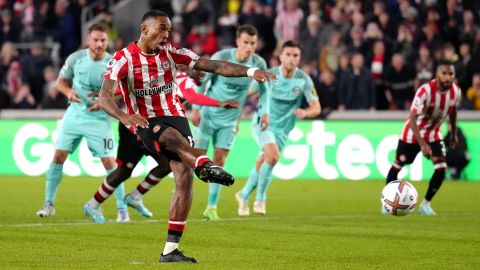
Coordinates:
<point>434,102</point>
<point>285,98</point>
<point>80,80</point>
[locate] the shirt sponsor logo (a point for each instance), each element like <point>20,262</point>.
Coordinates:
<point>137,70</point>
<point>165,89</point>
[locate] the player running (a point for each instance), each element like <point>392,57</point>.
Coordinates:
<point>217,124</point>
<point>433,103</point>
<point>80,80</point>
<point>286,96</point>
<point>131,150</point>
<point>145,72</point>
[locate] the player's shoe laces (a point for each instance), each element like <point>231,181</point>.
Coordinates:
<point>95,213</point>
<point>259,207</point>
<point>138,206</point>
<point>243,209</point>
<point>211,214</point>
<point>426,209</point>
<point>122,215</point>
<point>176,256</point>
<point>47,210</point>
<point>211,173</point>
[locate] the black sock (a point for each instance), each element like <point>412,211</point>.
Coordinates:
<point>435,183</point>
<point>392,174</point>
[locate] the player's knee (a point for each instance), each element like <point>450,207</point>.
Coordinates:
<point>109,163</point>
<point>60,156</point>
<point>272,159</point>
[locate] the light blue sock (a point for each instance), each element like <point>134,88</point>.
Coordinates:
<point>264,179</point>
<point>251,184</point>
<point>54,176</point>
<point>213,194</point>
<point>119,192</point>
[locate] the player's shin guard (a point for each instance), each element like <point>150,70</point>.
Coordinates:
<point>436,180</point>
<point>251,184</point>
<point>393,173</point>
<point>175,231</point>
<point>213,194</point>
<point>264,179</point>
<point>54,176</point>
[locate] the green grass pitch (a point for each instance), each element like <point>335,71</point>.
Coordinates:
<point>309,225</point>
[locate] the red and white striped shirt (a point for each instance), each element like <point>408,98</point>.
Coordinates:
<point>148,81</point>
<point>433,107</point>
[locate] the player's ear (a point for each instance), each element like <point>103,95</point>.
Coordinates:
<point>144,29</point>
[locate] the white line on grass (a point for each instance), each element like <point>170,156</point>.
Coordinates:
<point>233,219</point>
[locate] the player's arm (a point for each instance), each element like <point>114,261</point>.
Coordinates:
<point>313,110</point>
<point>453,125</point>
<point>107,103</point>
<point>65,87</point>
<point>228,69</point>
<point>264,101</point>
<point>199,99</point>
<point>426,149</point>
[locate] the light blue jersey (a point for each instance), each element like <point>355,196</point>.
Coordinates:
<point>224,88</point>
<point>87,77</point>
<point>285,96</point>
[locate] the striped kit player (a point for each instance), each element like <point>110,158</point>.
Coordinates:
<point>434,102</point>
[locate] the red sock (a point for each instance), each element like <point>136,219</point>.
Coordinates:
<point>149,182</point>
<point>201,160</point>
<point>175,230</point>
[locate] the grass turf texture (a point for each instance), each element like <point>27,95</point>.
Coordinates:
<point>309,225</point>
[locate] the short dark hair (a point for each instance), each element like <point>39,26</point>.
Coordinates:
<point>247,28</point>
<point>291,44</point>
<point>97,27</point>
<point>443,62</point>
<point>153,14</point>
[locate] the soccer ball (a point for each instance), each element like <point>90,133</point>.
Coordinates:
<point>399,198</point>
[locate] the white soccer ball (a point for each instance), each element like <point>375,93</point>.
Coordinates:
<point>399,198</point>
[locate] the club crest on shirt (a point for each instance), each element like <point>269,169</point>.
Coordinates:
<point>166,65</point>
<point>112,62</point>
<point>156,129</point>
<point>297,90</point>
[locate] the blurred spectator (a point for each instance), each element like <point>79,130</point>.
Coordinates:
<point>378,64</point>
<point>66,34</point>
<point>399,82</point>
<point>473,93</point>
<point>336,24</point>
<point>356,88</point>
<point>460,71</point>
<point>111,30</point>
<point>327,92</point>
<point>315,9</point>
<point>404,44</point>
<point>468,29</point>
<point>17,89</point>
<point>53,98</point>
<point>424,66</point>
<point>8,54</point>
<point>197,12</point>
<point>310,38</point>
<point>343,65</point>
<point>388,25</point>
<point>288,21</point>
<point>45,21</point>
<point>355,43</point>
<point>204,36</point>
<point>330,53</point>
<point>33,65</point>
<point>468,65</point>
<point>452,17</point>
<point>28,18</point>
<point>10,27</point>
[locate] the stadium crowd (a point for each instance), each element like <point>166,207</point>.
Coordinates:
<point>361,55</point>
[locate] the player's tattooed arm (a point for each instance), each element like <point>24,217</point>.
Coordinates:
<point>229,69</point>
<point>107,102</point>
<point>453,128</point>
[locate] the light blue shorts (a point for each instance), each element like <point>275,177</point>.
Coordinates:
<point>98,133</point>
<point>268,136</point>
<point>221,137</point>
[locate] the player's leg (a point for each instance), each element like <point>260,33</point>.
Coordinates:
<point>439,165</point>
<point>243,195</point>
<point>271,154</point>
<point>219,157</point>
<point>68,139</point>
<point>119,192</point>
<point>405,154</point>
<point>169,135</point>
<point>179,209</point>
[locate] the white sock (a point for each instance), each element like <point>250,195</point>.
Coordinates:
<point>169,247</point>
<point>211,207</point>
<point>93,203</point>
<point>136,195</point>
<point>425,202</point>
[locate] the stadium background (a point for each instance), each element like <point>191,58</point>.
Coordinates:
<point>399,42</point>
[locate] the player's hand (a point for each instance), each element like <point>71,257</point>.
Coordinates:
<point>264,76</point>
<point>95,106</point>
<point>264,122</point>
<point>426,150</point>
<point>72,96</point>
<point>300,113</point>
<point>229,104</point>
<point>453,141</point>
<point>195,117</point>
<point>94,94</point>
<point>134,120</point>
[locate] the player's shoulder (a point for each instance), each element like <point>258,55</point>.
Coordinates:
<point>259,61</point>
<point>223,54</point>
<point>456,88</point>
<point>426,88</point>
<point>79,54</point>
